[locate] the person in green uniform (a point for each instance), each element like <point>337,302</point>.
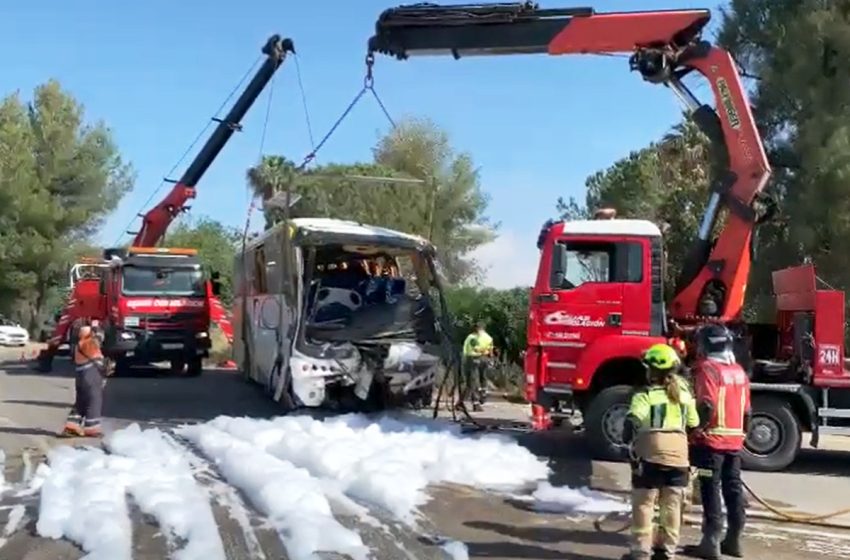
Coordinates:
<point>477,350</point>
<point>661,415</point>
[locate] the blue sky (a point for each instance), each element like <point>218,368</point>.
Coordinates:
<point>155,71</point>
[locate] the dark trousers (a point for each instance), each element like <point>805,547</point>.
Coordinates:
<point>647,475</point>
<point>475,378</point>
<point>720,474</point>
<point>88,405</point>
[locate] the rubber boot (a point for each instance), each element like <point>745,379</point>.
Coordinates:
<point>707,549</point>
<point>731,546</point>
<point>72,429</point>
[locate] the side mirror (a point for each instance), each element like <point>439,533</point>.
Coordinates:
<point>101,286</point>
<point>214,275</point>
<point>559,264</point>
<point>216,287</point>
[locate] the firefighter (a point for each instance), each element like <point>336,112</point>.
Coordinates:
<point>722,390</point>
<point>659,419</point>
<point>477,349</point>
<point>90,370</point>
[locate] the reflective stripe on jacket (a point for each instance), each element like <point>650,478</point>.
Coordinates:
<point>662,425</point>
<point>726,388</point>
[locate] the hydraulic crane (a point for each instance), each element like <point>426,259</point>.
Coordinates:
<point>664,46</point>
<point>152,301</point>
<point>598,302</point>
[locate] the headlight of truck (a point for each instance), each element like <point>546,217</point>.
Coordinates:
<point>202,335</point>
<point>131,321</point>
<point>127,336</point>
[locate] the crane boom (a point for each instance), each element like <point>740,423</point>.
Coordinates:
<point>156,221</point>
<point>664,46</point>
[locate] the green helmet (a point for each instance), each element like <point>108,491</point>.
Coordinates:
<point>661,357</point>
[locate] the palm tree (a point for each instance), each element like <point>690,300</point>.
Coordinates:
<point>270,176</point>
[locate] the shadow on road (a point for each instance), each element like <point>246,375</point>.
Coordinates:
<point>165,399</point>
<point>155,395</point>
<point>61,368</point>
<point>522,550</point>
<point>50,404</point>
<point>569,458</point>
<point>824,462</point>
<point>543,534</point>
<point>23,431</point>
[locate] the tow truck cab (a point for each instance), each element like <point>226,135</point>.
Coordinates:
<point>597,304</point>
<point>158,303</point>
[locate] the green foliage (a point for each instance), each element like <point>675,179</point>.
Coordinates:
<point>447,206</point>
<point>504,313</point>
<point>59,178</point>
<point>666,183</point>
<point>794,53</point>
<point>799,49</point>
<point>216,244</point>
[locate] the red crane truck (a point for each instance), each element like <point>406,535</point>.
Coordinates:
<point>598,299</point>
<point>156,304</point>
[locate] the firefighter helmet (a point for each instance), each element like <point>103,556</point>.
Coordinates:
<point>713,339</point>
<point>661,357</point>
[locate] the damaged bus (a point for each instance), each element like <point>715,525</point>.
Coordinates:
<point>339,315</point>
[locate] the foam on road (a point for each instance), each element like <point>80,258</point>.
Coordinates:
<point>297,471</point>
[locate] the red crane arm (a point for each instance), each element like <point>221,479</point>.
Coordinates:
<point>664,47</point>
<point>156,221</point>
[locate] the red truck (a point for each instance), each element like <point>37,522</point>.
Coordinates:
<point>157,304</point>
<point>598,300</point>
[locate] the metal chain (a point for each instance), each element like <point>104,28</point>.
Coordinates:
<point>368,86</point>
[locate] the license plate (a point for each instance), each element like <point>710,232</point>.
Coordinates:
<point>172,346</point>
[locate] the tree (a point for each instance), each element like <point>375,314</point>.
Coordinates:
<point>59,178</point>
<point>666,183</point>
<point>447,206</point>
<point>217,246</point>
<point>797,51</point>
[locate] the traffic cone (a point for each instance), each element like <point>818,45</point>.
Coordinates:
<point>540,419</point>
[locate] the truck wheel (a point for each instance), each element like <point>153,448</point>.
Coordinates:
<point>195,367</point>
<point>774,437</point>
<point>603,421</point>
<point>122,367</point>
<point>177,367</point>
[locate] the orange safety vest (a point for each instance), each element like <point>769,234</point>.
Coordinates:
<point>88,350</point>
<point>727,388</point>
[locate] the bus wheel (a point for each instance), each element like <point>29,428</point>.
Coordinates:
<point>774,436</point>
<point>603,421</point>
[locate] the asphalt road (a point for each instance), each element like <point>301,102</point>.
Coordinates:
<point>32,408</point>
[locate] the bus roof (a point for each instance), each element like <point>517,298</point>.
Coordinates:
<point>332,231</point>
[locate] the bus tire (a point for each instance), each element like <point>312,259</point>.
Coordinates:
<point>774,437</point>
<point>603,422</point>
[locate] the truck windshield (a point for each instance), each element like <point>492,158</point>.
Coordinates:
<point>153,281</point>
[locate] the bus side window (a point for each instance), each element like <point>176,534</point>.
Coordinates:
<point>260,285</point>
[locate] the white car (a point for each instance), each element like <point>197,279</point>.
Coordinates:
<point>12,334</point>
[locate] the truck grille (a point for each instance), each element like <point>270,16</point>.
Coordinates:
<point>163,321</point>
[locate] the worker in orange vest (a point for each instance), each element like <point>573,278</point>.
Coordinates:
<point>722,391</point>
<point>90,370</point>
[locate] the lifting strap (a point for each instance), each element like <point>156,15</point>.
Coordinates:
<point>368,87</point>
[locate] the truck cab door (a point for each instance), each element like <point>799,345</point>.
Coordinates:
<point>586,300</point>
